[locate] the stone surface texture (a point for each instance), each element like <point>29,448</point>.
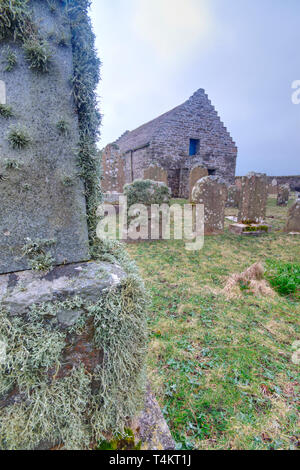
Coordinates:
<point>112,169</point>
<point>20,290</point>
<point>195,175</point>
<point>293,222</point>
<point>234,196</point>
<point>283,195</point>
<point>156,173</point>
<point>253,201</point>
<point>212,192</point>
<point>165,142</point>
<point>35,201</point>
<point>275,181</point>
<point>150,426</point>
<point>87,281</point>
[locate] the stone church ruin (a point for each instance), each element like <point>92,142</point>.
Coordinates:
<point>188,136</point>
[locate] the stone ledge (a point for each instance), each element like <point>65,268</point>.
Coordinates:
<point>19,291</point>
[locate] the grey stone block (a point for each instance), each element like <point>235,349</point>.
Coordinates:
<point>19,291</point>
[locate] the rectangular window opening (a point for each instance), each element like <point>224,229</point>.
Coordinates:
<point>194,146</point>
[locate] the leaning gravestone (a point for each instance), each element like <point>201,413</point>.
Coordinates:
<point>196,174</point>
<point>293,222</point>
<point>283,195</point>
<point>63,381</point>
<point>211,192</point>
<point>253,202</point>
<point>156,173</point>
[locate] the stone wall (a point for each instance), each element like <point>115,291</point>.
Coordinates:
<point>165,142</point>
<point>292,181</point>
<point>275,181</point>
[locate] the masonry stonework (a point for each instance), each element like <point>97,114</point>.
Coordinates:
<point>189,135</point>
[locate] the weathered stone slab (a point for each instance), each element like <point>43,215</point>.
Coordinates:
<point>42,196</point>
<point>234,196</point>
<point>113,170</point>
<point>253,202</point>
<point>19,291</point>
<point>293,222</point>
<point>283,195</point>
<point>273,186</point>
<point>196,174</point>
<point>156,173</point>
<point>150,426</point>
<point>211,192</point>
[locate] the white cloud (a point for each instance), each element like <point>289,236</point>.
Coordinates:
<point>172,27</point>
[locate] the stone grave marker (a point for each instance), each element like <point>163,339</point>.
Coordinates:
<point>283,195</point>
<point>253,202</point>
<point>234,195</point>
<point>211,192</point>
<point>196,174</point>
<point>156,173</point>
<point>293,221</point>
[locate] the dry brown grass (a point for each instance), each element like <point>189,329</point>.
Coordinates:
<point>252,278</point>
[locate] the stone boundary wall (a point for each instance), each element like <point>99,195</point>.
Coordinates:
<point>293,181</point>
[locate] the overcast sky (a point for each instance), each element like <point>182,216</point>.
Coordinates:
<point>245,53</point>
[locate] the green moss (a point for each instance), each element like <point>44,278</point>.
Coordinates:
<point>18,138</point>
<point>63,127</point>
<point>6,111</point>
<point>38,54</point>
<point>254,228</point>
<point>39,258</point>
<point>84,81</point>
<point>124,441</point>
<point>16,22</point>
<point>10,59</point>
<point>67,181</point>
<point>12,164</point>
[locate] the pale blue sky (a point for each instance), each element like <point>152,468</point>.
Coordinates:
<point>245,53</point>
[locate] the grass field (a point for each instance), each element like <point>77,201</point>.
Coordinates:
<point>222,370</point>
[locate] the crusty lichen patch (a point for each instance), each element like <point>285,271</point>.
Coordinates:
<point>43,401</point>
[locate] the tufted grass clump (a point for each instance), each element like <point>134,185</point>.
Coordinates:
<point>12,164</point>
<point>36,251</point>
<point>18,138</point>
<point>38,54</point>
<point>15,20</point>
<point>63,127</point>
<point>6,111</point>
<point>10,59</point>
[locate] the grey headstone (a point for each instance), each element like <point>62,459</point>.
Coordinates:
<point>43,198</point>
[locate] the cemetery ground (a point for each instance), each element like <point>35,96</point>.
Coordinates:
<point>222,369</point>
